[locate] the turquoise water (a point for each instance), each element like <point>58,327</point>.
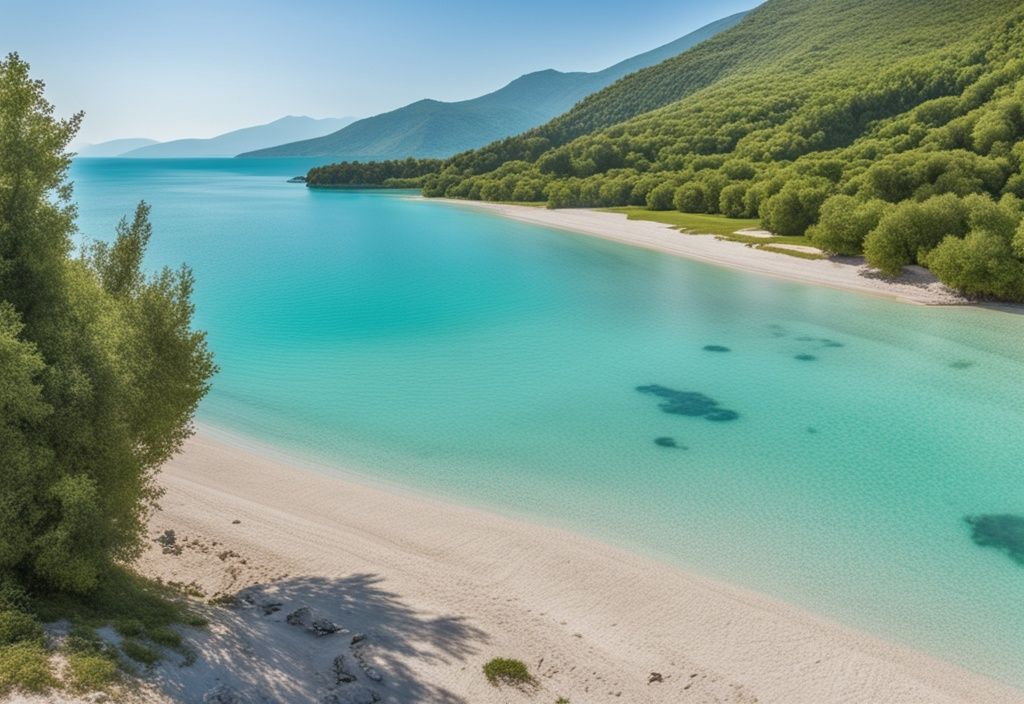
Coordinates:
<point>498,363</point>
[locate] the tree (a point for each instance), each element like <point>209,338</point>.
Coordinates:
<point>101,370</point>
<point>844,222</point>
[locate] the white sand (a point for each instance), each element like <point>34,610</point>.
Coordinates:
<point>439,589</point>
<point>916,285</point>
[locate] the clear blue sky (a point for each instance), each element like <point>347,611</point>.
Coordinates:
<point>185,68</point>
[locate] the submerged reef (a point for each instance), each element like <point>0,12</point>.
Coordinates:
<point>688,403</point>
<point>716,348</point>
<point>1003,531</point>
<point>669,442</point>
<point>805,357</point>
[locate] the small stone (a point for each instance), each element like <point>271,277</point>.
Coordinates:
<point>655,677</point>
<point>358,638</point>
<point>324,627</point>
<point>299,617</point>
<point>235,522</point>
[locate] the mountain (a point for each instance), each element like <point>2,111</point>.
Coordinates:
<point>430,128</point>
<point>888,128</point>
<point>229,144</point>
<point>115,147</point>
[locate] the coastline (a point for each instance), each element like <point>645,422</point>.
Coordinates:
<point>464,585</point>
<point>916,285</point>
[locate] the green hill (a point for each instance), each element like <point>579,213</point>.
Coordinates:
<point>430,128</point>
<point>892,127</point>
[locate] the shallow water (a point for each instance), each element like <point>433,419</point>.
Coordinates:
<point>498,363</point>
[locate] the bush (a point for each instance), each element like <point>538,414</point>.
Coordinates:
<point>661,196</point>
<point>981,264</point>
<point>19,627</point>
<point>139,652</point>
<point>910,229</point>
<point>91,672</point>
<point>25,666</point>
<point>844,222</point>
<point>507,671</point>
<point>691,198</point>
<point>795,208</point>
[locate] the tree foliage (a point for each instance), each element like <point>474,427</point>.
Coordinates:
<point>100,369</point>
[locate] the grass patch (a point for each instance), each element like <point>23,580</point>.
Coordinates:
<point>92,672</point>
<point>137,608</point>
<point>25,666</point>
<point>793,252</point>
<point>140,652</point>
<point>694,223</point>
<point>508,671</point>
<point>721,227</point>
<point>18,627</point>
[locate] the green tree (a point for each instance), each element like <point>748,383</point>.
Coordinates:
<point>101,370</point>
<point>844,222</point>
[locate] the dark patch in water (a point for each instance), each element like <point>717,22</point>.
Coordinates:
<point>716,348</point>
<point>688,403</point>
<point>812,430</point>
<point>961,364</point>
<point>805,357</point>
<point>777,330</point>
<point>669,442</point>
<point>824,341</point>
<point>1003,531</point>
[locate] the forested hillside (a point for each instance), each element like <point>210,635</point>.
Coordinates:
<point>432,128</point>
<point>892,127</point>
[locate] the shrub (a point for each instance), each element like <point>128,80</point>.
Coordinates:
<point>844,222</point>
<point>980,264</point>
<point>140,652</point>
<point>90,672</point>
<point>25,666</point>
<point>795,208</point>
<point>19,627</point>
<point>507,671</point>
<point>910,229</point>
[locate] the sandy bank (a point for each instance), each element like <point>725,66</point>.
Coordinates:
<point>439,589</point>
<point>916,285</point>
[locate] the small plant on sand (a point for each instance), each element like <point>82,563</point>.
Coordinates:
<point>19,627</point>
<point>501,671</point>
<point>25,666</point>
<point>91,672</point>
<point>561,700</point>
<point>139,652</point>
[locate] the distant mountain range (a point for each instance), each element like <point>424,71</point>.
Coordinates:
<point>229,144</point>
<point>115,147</point>
<point>430,128</point>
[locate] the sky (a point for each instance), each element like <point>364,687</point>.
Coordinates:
<point>190,68</point>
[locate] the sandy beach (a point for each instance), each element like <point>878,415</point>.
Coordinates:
<point>430,591</point>
<point>916,285</point>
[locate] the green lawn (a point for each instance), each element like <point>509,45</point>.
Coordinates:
<point>719,226</point>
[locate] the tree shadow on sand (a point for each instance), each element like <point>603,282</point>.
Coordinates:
<point>251,653</point>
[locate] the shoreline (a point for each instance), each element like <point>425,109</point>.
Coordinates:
<point>592,621</point>
<point>916,286</point>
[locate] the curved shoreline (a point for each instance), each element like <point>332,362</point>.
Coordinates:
<point>591,620</point>
<point>916,285</point>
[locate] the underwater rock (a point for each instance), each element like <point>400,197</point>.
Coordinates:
<point>805,357</point>
<point>716,348</point>
<point>961,364</point>
<point>688,403</point>
<point>670,443</point>
<point>1003,531</point>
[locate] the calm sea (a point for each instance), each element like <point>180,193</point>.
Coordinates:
<point>827,454</point>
